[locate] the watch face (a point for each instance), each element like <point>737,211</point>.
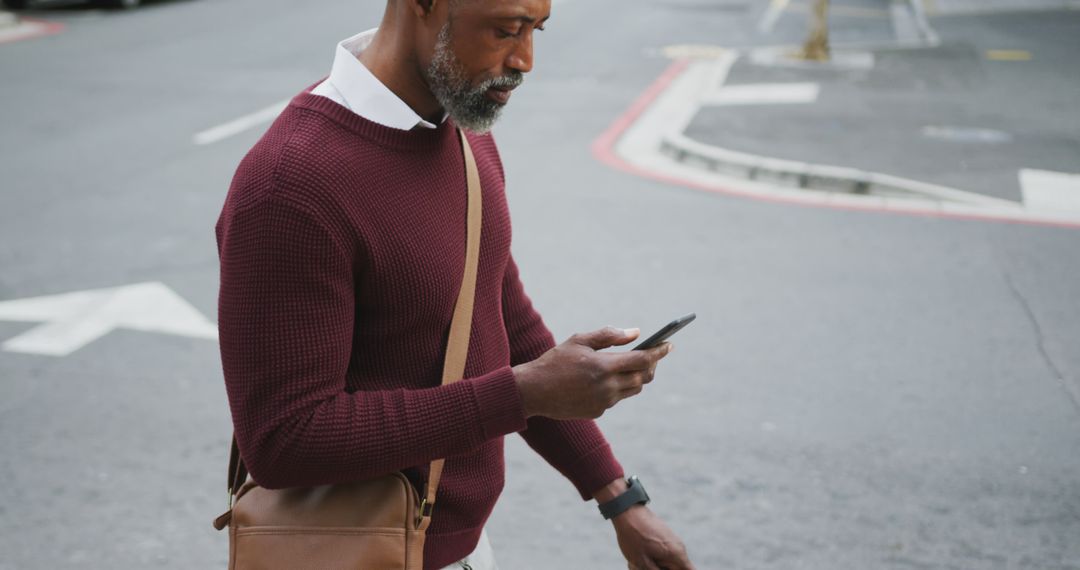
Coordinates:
<point>643,495</point>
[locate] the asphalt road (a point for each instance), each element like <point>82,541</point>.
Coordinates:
<point>861,390</point>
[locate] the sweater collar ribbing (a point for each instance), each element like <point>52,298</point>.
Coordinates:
<point>411,140</point>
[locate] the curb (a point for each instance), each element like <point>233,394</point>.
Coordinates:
<point>819,177</point>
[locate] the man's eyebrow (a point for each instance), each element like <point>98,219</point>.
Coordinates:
<point>524,19</point>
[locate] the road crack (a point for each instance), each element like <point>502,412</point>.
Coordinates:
<point>1040,337</point>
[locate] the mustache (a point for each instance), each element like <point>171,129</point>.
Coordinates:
<point>509,81</point>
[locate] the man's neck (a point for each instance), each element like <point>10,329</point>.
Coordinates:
<point>391,61</point>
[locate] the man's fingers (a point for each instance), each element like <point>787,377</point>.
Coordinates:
<point>680,563</point>
<point>648,564</point>
<point>684,559</point>
<point>633,381</point>
<point>639,359</point>
<point>676,558</point>
<point>606,337</point>
<point>631,388</point>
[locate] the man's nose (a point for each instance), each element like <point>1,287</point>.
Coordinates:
<point>521,59</point>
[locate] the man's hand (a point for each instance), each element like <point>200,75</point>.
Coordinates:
<point>575,381</point>
<point>648,543</point>
<point>645,541</point>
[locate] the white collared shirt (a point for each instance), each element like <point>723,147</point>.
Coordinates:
<point>353,86</point>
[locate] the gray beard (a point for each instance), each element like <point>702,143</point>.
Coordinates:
<point>469,106</point>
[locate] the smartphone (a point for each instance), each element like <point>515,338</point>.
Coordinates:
<point>666,332</point>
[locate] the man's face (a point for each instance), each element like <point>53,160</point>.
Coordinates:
<point>481,53</point>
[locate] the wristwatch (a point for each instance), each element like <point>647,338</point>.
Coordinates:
<point>634,495</point>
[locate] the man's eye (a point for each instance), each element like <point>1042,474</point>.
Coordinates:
<point>502,33</point>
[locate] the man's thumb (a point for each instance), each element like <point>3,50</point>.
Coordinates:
<point>607,337</point>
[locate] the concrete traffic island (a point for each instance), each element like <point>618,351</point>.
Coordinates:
<point>918,127</point>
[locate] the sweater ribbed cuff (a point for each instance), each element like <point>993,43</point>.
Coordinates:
<point>499,404</point>
<point>593,471</point>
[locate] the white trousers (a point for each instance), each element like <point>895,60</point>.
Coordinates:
<point>482,558</point>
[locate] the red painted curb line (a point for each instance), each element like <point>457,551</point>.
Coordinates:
<point>45,28</point>
<point>603,149</point>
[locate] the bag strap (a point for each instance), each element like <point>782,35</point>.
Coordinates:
<point>457,348</point>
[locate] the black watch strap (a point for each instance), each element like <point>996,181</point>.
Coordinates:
<point>634,495</point>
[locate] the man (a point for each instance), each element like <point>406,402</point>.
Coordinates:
<point>342,245</point>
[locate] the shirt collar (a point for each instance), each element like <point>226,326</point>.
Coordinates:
<point>364,94</point>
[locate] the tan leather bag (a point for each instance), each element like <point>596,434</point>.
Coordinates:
<point>365,525</point>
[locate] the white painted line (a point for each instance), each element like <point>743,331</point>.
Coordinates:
<point>73,320</point>
<point>903,22</point>
<point>694,51</point>
<point>855,11</point>
<point>763,94</point>
<point>232,128</point>
<point>1050,191</point>
<point>966,134</point>
<point>673,109</point>
<point>772,14</point>
<point>930,36</point>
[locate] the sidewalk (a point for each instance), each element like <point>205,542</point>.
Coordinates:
<point>991,103</point>
<point>947,7</point>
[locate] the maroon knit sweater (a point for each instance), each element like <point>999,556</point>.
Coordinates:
<point>342,247</point>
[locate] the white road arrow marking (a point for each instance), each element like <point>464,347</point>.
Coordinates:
<point>1049,190</point>
<point>76,319</point>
